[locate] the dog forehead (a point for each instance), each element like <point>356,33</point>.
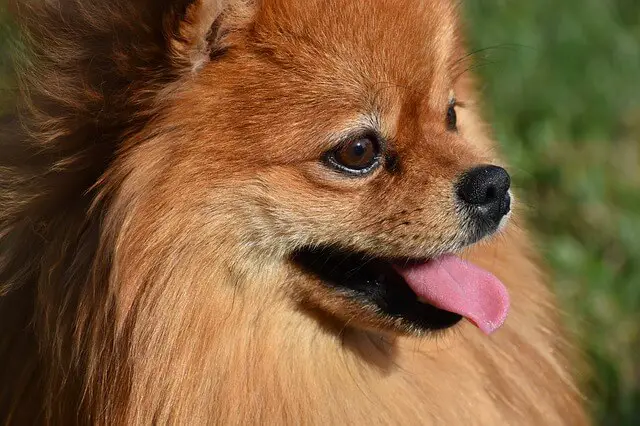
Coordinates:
<point>401,41</point>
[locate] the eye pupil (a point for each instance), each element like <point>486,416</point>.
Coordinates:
<point>452,118</point>
<point>359,149</point>
<point>357,155</point>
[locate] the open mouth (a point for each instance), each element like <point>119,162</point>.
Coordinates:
<point>427,295</point>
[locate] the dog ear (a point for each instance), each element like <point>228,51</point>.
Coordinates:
<point>198,31</point>
<point>111,61</point>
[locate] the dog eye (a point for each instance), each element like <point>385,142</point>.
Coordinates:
<point>452,117</point>
<point>358,156</point>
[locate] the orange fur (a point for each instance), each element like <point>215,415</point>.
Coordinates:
<point>167,170</point>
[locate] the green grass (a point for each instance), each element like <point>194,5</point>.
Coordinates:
<point>562,85</point>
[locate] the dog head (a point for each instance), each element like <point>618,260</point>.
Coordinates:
<point>328,141</point>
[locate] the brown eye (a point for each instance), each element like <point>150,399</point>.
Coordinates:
<point>357,156</point>
<point>452,117</point>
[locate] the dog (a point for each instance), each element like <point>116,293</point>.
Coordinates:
<point>265,212</point>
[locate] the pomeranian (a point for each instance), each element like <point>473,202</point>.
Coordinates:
<point>264,212</point>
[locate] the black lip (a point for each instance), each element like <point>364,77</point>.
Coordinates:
<point>373,281</point>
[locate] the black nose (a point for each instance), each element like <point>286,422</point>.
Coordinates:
<point>487,188</point>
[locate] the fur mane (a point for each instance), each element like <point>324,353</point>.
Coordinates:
<point>94,328</point>
<point>84,91</point>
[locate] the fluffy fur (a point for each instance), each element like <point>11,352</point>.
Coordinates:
<point>165,169</point>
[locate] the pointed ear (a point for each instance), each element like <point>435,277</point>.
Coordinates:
<point>198,31</point>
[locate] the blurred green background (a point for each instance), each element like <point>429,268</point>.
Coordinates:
<point>561,81</point>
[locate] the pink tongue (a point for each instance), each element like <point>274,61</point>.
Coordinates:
<point>452,284</point>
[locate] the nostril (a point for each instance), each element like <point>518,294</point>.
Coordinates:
<point>505,207</point>
<point>491,193</point>
<point>484,185</point>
